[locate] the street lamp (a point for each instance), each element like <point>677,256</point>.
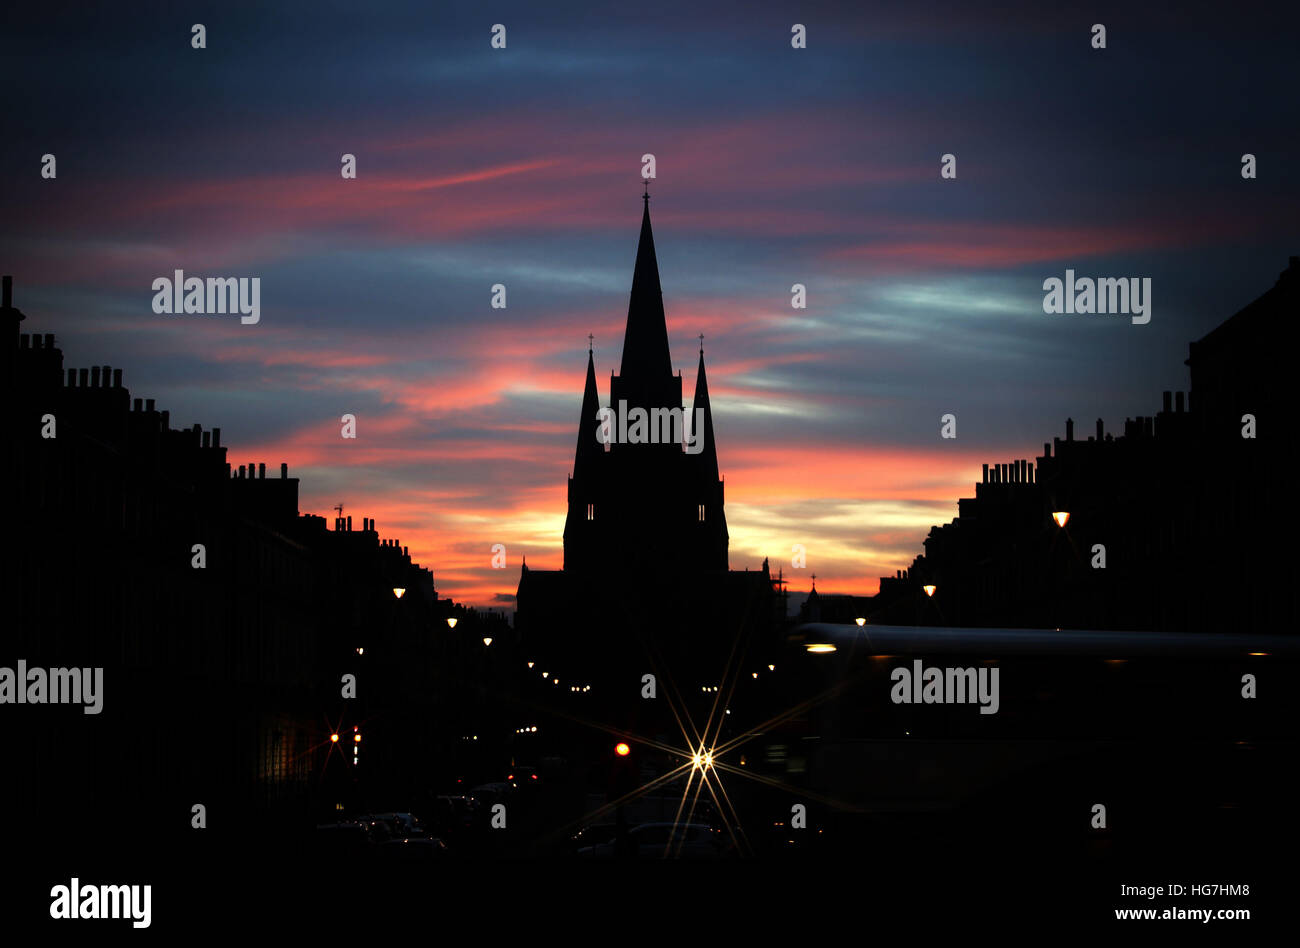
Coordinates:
<point>451,622</point>
<point>819,648</point>
<point>929,589</point>
<point>860,621</point>
<point>1061,517</point>
<point>487,640</point>
<point>399,591</point>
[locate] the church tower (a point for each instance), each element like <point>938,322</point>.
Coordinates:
<point>649,507</point>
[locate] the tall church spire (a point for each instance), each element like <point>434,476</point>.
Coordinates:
<point>645,343</point>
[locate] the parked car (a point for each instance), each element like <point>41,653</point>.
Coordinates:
<point>664,840</point>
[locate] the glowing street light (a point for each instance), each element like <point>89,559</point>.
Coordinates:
<point>771,668</point>
<point>487,640</point>
<point>929,589</point>
<point>819,648</point>
<point>860,621</point>
<point>530,664</point>
<point>622,749</point>
<point>399,591</point>
<point>451,622</point>
<point>334,738</point>
<point>1061,517</point>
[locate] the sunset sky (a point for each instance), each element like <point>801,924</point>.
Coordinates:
<point>521,166</point>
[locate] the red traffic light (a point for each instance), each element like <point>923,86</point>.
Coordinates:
<point>622,749</point>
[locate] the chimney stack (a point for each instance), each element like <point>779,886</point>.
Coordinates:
<point>83,378</point>
<point>261,472</point>
<point>137,405</point>
<point>1100,430</point>
<point>207,439</point>
<point>1166,401</point>
<point>284,470</point>
<point>216,437</point>
<point>72,378</point>
<point>1030,471</point>
<point>148,403</point>
<point>117,378</point>
<point>349,523</point>
<point>986,473</point>
<point>1178,402</point>
<point>1069,429</point>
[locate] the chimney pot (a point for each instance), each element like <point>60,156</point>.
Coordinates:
<point>986,473</point>
<point>284,470</point>
<point>49,340</point>
<point>1100,430</point>
<point>1030,471</point>
<point>349,523</point>
<point>1166,401</point>
<point>241,472</point>
<point>94,376</point>
<point>1069,429</point>
<point>83,378</point>
<point>148,404</point>
<point>36,341</point>
<point>261,472</point>
<point>137,405</point>
<point>216,437</point>
<point>72,378</point>
<point>1179,403</point>
<point>207,439</point>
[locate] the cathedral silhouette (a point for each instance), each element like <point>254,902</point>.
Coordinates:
<point>646,567</point>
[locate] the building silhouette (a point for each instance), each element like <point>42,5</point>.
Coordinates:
<point>646,571</point>
<point>1186,508</point>
<point>634,506</point>
<point>222,682</point>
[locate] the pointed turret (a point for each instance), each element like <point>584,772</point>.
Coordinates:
<point>708,456</point>
<point>645,343</point>
<point>588,444</point>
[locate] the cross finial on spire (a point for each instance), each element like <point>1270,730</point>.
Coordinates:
<point>814,580</point>
<point>590,341</point>
<point>701,343</point>
<point>646,195</point>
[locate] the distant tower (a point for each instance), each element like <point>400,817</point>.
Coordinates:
<point>642,507</point>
